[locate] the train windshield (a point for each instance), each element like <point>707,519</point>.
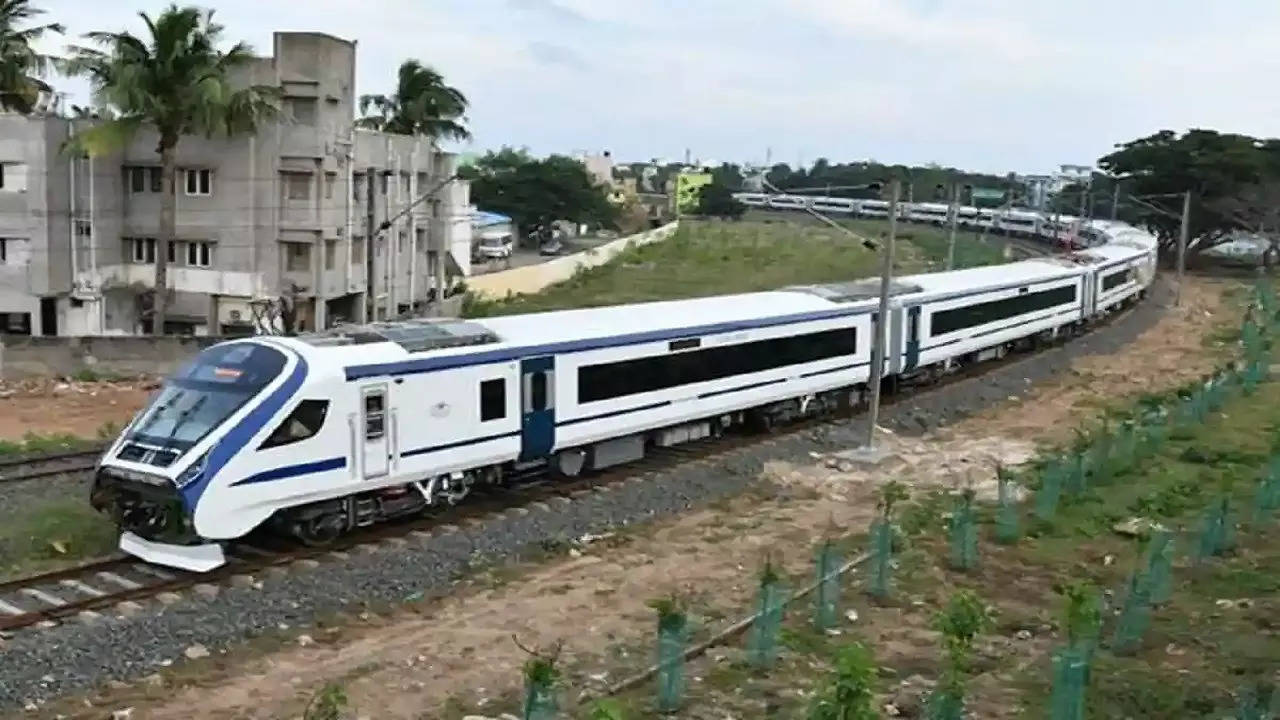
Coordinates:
<point>206,392</point>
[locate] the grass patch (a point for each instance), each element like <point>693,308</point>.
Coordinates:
<point>53,534</point>
<point>717,258</point>
<point>39,444</point>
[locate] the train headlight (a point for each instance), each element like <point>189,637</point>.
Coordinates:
<point>192,473</point>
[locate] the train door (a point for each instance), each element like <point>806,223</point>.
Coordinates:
<point>913,338</point>
<point>537,407</point>
<point>374,432</point>
<point>1089,284</point>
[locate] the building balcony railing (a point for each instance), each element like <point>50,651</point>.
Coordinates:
<point>209,281</point>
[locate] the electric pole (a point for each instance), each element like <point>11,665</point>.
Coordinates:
<point>1183,233</point>
<point>881,322</point>
<point>371,300</point>
<point>954,220</point>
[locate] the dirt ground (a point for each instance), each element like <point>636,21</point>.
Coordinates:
<point>58,407</point>
<point>457,654</point>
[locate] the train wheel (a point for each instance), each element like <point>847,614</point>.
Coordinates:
<point>321,530</point>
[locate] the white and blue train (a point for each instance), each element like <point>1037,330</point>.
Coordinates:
<point>1061,230</point>
<point>319,434</point>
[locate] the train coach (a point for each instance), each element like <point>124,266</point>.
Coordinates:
<point>319,434</point>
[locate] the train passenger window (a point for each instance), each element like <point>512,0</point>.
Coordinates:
<point>493,399</point>
<point>305,421</point>
<point>659,372</point>
<point>538,391</point>
<point>966,316</point>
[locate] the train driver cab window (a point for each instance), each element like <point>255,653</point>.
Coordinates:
<point>305,421</point>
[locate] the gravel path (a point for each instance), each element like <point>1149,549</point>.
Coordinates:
<point>42,664</point>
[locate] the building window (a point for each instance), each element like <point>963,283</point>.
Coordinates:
<point>199,182</point>
<point>330,179</point>
<point>156,175</point>
<point>422,181</point>
<point>493,399</point>
<point>330,254</point>
<point>297,257</point>
<point>137,179</point>
<point>13,251</point>
<point>13,177</point>
<point>357,250</point>
<point>400,243</point>
<point>199,254</point>
<point>384,182</point>
<point>83,228</point>
<point>420,239</point>
<point>404,185</point>
<point>302,110</point>
<point>297,186</point>
<point>357,187</point>
<point>140,250</point>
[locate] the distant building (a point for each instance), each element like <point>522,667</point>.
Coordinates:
<point>1040,188</point>
<point>284,213</point>
<point>599,167</point>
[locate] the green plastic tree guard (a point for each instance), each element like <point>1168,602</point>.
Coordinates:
<point>826,609</point>
<point>1050,491</point>
<point>1008,529</point>
<point>1159,566</point>
<point>672,632</point>
<point>964,535</point>
<point>881,559</point>
<point>1135,617</point>
<point>763,647</point>
<point>1070,675</point>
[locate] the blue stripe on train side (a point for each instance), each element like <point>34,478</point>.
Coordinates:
<point>289,471</point>
<point>238,437</point>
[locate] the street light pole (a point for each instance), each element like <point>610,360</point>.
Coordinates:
<point>882,317</point>
<point>1183,233</point>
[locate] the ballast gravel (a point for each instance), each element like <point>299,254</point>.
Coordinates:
<point>40,664</point>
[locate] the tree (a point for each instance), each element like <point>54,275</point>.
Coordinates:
<point>1213,166</point>
<point>174,82</point>
<point>1256,210</point>
<point>716,200</point>
<point>21,67</point>
<point>536,193</point>
<point>422,105</point>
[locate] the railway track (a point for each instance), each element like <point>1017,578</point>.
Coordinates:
<point>120,583</point>
<point>35,467</point>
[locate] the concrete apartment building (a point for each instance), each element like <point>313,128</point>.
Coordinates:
<point>285,213</point>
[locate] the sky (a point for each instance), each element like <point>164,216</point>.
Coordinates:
<point>984,85</point>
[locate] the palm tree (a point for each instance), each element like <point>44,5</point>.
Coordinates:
<point>20,65</point>
<point>422,105</point>
<point>175,82</point>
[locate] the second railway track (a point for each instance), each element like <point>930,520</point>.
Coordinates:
<point>35,467</point>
